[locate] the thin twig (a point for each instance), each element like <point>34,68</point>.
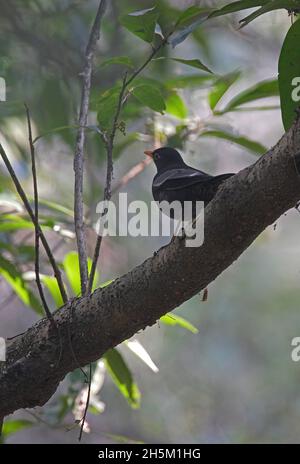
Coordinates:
<point>109,174</point>
<point>79,163</point>
<point>87,403</point>
<point>150,57</point>
<point>70,304</point>
<point>26,203</point>
<point>36,213</point>
<point>110,145</point>
<point>131,174</point>
<point>80,142</point>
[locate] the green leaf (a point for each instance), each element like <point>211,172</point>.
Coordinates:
<point>189,81</point>
<point>96,409</point>
<point>289,75</point>
<point>132,111</point>
<point>270,6</point>
<point>11,222</point>
<point>12,426</point>
<point>123,60</point>
<point>176,106</point>
<point>190,15</point>
<point>178,139</point>
<point>57,207</point>
<point>107,105</point>
<point>141,23</point>
<point>63,128</point>
<point>9,204</point>
<point>220,87</point>
<point>23,253</point>
<point>173,319</point>
<point>253,108</point>
<point>14,278</point>
<point>55,94</point>
<point>55,130</point>
<point>107,283</point>
<point>194,64</point>
<point>187,22</point>
<point>150,96</point>
<point>261,90</point>
<point>237,6</point>
<point>122,439</point>
<point>122,377</point>
<point>150,81</point>
<point>71,267</point>
<point>51,283</point>
<point>253,146</point>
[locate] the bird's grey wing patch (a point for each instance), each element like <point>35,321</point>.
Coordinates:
<point>176,179</point>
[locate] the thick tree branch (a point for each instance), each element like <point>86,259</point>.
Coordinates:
<point>80,141</point>
<point>245,205</point>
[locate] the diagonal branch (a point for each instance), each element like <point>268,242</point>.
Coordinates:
<point>28,208</point>
<point>131,174</point>
<point>36,213</point>
<point>80,142</point>
<point>244,206</point>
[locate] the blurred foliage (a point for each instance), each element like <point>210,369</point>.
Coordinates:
<point>41,61</point>
<point>289,76</point>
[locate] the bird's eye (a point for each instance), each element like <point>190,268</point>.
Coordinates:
<point>156,156</point>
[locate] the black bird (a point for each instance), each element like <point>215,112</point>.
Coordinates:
<point>175,180</point>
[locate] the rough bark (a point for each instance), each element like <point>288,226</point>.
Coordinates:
<point>245,205</point>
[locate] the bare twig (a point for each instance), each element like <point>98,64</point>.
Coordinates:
<point>109,174</point>
<point>26,203</point>
<point>150,57</point>
<point>131,174</point>
<point>79,161</point>
<point>36,213</point>
<point>110,144</point>
<point>79,149</point>
<point>87,403</point>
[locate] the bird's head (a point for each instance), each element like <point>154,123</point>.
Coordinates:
<point>165,158</point>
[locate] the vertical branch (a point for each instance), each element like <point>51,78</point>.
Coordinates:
<point>80,142</point>
<point>109,142</point>
<point>36,214</point>
<point>108,139</point>
<point>87,403</point>
<point>79,163</point>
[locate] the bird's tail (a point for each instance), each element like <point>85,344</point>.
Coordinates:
<point>219,179</point>
<point>214,185</point>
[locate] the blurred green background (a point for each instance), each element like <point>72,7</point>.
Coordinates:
<point>234,381</point>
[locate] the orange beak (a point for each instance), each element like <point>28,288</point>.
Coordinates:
<point>149,153</point>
